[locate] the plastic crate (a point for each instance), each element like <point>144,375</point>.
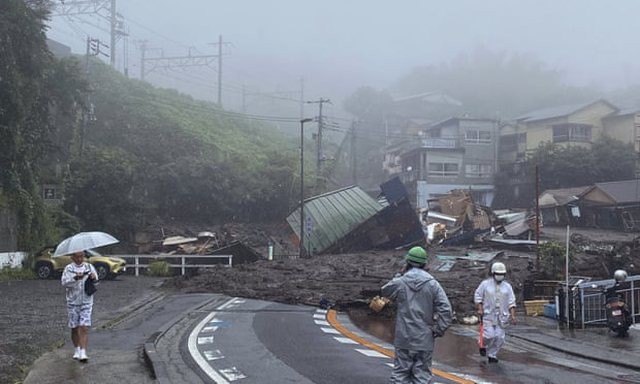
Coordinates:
<point>550,311</point>
<point>534,307</point>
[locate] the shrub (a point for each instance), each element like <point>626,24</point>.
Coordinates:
<point>8,273</point>
<point>158,268</point>
<point>552,259</point>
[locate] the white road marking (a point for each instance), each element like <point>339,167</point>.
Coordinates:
<point>330,330</point>
<point>209,329</point>
<point>389,364</point>
<point>371,353</point>
<point>195,353</point>
<point>213,355</point>
<point>205,340</point>
<point>319,316</point>
<point>239,301</point>
<point>322,322</point>
<point>232,374</point>
<point>345,340</point>
<point>324,311</point>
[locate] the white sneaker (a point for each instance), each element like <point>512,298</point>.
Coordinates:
<point>76,355</point>
<point>83,356</point>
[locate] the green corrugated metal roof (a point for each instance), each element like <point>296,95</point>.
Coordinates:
<point>333,215</point>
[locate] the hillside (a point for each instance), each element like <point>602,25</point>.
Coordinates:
<point>151,154</point>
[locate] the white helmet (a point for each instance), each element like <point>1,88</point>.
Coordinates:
<point>620,275</point>
<point>498,268</point>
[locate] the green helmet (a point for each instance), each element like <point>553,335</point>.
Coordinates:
<point>417,255</point>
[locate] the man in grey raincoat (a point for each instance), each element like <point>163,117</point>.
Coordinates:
<point>423,313</point>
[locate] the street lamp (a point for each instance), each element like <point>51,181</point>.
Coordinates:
<point>301,252</point>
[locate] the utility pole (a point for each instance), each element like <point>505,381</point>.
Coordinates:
<point>93,49</point>
<point>105,9</point>
<point>143,52</point>
<point>244,99</point>
<point>220,44</point>
<point>220,70</point>
<point>319,157</point>
<point>113,23</point>
<point>301,98</point>
<point>354,177</point>
<point>172,62</point>
<point>537,220</point>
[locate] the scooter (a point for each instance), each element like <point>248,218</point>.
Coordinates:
<point>618,315</point>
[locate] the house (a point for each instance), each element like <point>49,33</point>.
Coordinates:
<point>624,126</point>
<point>456,153</point>
<point>613,205</point>
<point>576,124</point>
<point>424,105</point>
<point>558,206</point>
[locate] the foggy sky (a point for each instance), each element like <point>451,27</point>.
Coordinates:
<point>339,45</point>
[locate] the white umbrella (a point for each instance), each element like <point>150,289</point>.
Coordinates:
<point>83,241</point>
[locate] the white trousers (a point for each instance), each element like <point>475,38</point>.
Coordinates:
<point>493,339</point>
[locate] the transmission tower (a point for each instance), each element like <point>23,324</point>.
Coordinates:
<point>190,60</point>
<point>105,9</point>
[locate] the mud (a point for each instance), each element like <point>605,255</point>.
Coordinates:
<point>346,281</point>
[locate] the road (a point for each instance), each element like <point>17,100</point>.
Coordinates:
<point>205,338</point>
<point>252,341</point>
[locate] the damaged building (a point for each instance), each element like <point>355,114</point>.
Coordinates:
<point>349,220</point>
<point>610,205</point>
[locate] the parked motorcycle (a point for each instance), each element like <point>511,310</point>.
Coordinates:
<point>618,314</point>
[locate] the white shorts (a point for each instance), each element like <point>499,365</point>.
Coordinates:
<point>79,315</point>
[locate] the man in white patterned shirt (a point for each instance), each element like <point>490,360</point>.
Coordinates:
<point>79,304</point>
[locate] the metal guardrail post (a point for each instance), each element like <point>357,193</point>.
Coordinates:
<point>230,261</point>
<point>633,303</point>
<point>137,259</point>
<point>582,306</point>
<point>183,271</point>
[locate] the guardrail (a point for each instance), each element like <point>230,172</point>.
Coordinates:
<point>586,301</point>
<point>183,258</point>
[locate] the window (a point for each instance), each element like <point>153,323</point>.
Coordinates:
<point>443,169</point>
<point>477,170</point>
<point>571,132</point>
<point>477,136</point>
<point>509,143</point>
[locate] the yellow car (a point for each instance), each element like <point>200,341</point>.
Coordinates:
<point>107,267</point>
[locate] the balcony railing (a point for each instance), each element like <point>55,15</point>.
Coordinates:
<point>439,142</point>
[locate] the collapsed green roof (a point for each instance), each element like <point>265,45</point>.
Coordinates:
<point>331,216</point>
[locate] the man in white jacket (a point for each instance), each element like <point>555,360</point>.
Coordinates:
<point>79,304</point>
<point>496,305</point>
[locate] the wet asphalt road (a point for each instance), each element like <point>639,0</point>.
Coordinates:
<point>33,321</point>
<point>33,317</point>
<point>520,361</point>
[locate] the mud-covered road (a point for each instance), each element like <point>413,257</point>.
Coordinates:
<point>346,280</point>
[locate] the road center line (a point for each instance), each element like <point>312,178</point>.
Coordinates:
<point>332,318</point>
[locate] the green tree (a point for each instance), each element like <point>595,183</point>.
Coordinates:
<point>553,259</point>
<point>495,83</point>
<point>29,96</point>
<point>564,167</point>
<point>157,154</point>
<point>372,108</point>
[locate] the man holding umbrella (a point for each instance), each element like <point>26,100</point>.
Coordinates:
<point>74,278</point>
<point>79,304</point>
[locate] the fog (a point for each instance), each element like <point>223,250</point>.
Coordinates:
<point>337,46</point>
